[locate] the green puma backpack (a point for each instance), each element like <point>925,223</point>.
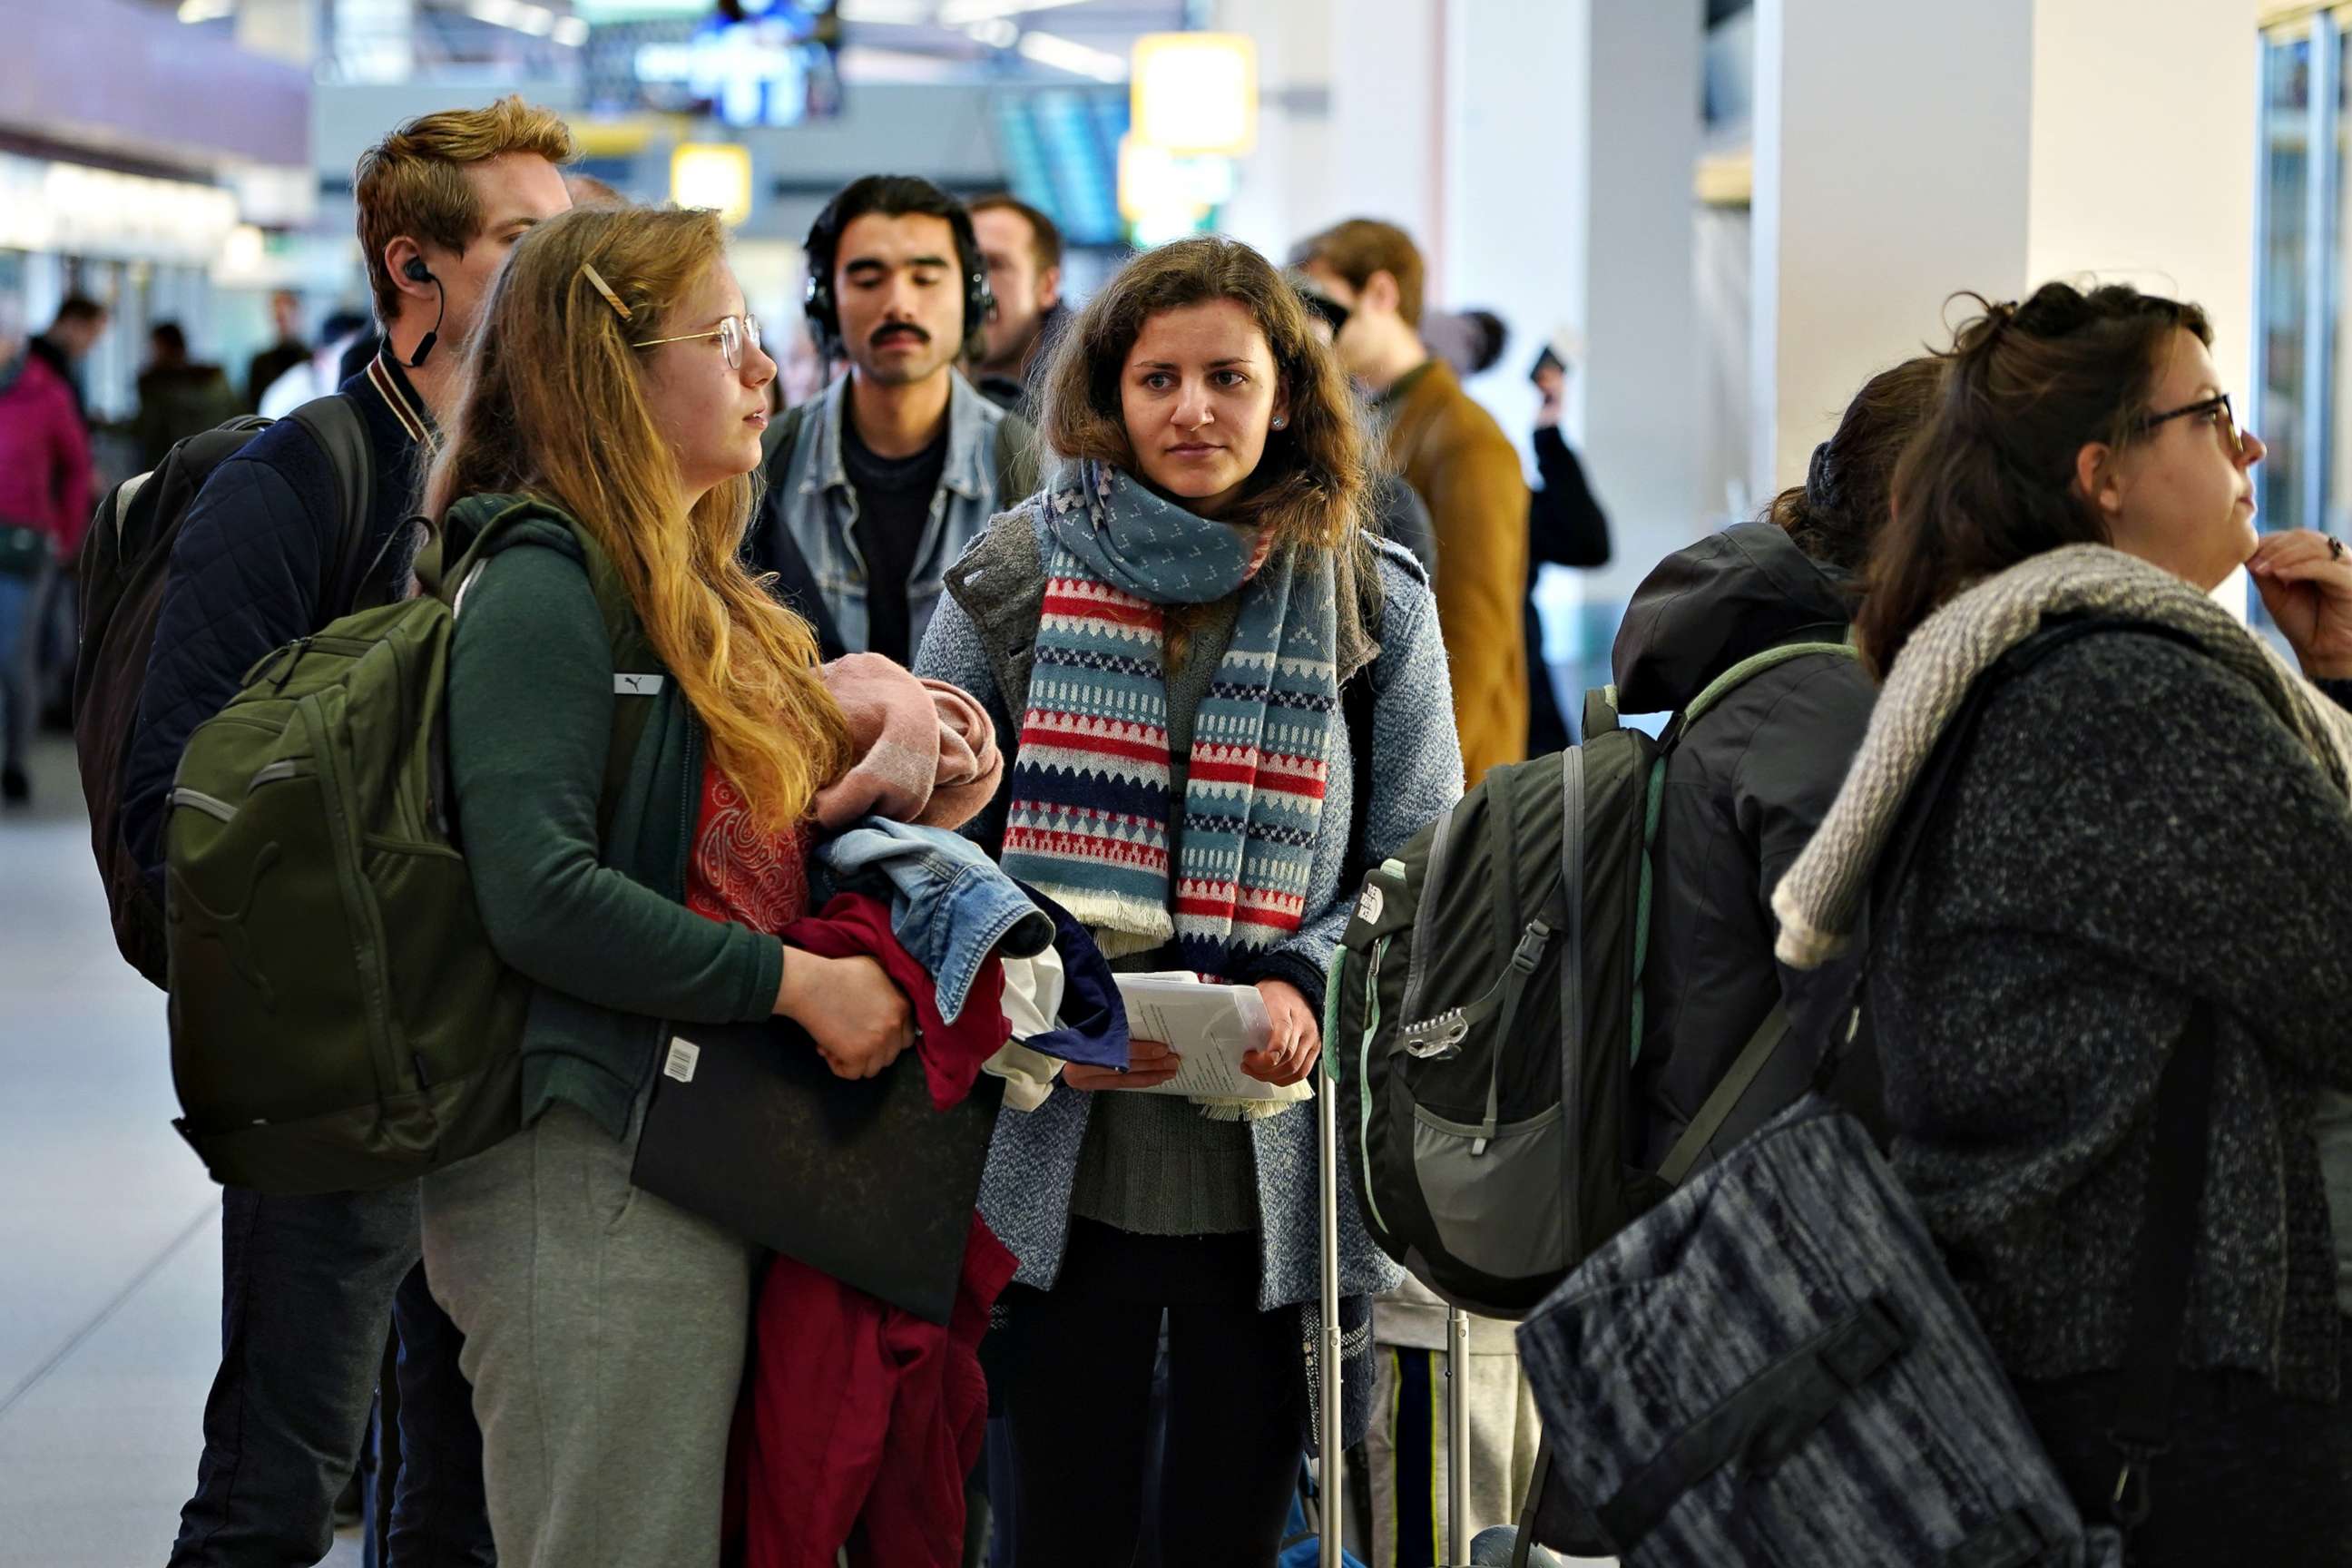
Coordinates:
<point>338,1020</point>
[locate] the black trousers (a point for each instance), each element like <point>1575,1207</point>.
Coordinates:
<point>1076,1384</point>
<point>307,1288</point>
<point>2251,1477</point>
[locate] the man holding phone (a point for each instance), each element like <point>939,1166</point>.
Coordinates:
<point>1566,527</point>
<point>1453,454</point>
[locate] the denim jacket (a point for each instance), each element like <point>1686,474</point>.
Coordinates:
<point>817,504</point>
<point>949,905</point>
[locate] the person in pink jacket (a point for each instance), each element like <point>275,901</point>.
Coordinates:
<point>44,501</point>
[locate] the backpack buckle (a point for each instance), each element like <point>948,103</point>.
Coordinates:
<point>1530,950</point>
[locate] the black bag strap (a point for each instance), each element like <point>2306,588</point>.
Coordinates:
<point>335,423</point>
<point>1763,1421</point>
<point>2161,1266</point>
<point>770,546</point>
<point>1926,798</point>
<point>1726,1096</point>
<point>1524,1538</point>
<point>1358,701</point>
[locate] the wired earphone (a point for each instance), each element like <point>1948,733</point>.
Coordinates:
<point>415,271</point>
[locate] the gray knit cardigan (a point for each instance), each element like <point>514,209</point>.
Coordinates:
<point>978,640</point>
<point>2132,831</point>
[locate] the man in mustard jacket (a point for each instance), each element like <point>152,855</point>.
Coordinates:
<point>1452,453</point>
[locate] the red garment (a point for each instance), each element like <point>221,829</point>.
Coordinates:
<point>856,926</point>
<point>862,1420</point>
<point>865,1420</point>
<point>740,873</point>
<point>45,467</point>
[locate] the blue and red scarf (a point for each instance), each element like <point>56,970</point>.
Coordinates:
<point>1090,785</point>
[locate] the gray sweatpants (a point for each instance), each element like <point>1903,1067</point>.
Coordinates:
<point>604,1336</point>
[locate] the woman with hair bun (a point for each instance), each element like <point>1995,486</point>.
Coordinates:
<point>2131,898</point>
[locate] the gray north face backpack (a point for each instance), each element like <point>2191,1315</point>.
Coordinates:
<point>1485,1008</point>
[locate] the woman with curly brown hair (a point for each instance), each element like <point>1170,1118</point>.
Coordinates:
<point>1163,635</point>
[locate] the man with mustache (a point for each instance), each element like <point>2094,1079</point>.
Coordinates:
<point>875,487</point>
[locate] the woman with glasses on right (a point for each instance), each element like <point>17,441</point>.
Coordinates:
<point>2128,918</point>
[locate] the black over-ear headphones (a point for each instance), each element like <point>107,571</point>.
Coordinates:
<point>415,271</point>
<point>854,201</point>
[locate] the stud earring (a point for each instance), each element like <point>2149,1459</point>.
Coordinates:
<point>1279,422</point>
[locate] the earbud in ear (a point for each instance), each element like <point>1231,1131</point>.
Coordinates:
<point>416,271</point>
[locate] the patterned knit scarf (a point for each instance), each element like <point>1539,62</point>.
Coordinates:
<point>1090,785</point>
<point>1818,900</point>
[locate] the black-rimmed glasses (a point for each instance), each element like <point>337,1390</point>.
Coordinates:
<point>2232,441</point>
<point>732,332</point>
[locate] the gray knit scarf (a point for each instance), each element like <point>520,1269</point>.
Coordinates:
<point>1818,900</point>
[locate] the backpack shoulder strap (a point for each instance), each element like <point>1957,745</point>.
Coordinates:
<point>631,655</point>
<point>1754,664</point>
<point>770,546</point>
<point>1726,1096</point>
<point>1358,700</point>
<point>782,435</point>
<point>334,422</point>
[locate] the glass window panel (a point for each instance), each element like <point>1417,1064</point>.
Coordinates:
<point>2285,287</point>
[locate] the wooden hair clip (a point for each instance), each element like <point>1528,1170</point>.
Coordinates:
<point>596,282</point>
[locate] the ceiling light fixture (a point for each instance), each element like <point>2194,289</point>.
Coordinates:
<point>997,32</point>
<point>206,10</point>
<point>1066,54</point>
<point>886,13</point>
<point>519,15</point>
<point>963,13</point>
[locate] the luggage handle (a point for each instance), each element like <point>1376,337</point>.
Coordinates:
<point>1764,1420</point>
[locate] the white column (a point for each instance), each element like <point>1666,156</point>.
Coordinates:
<point>1284,190</point>
<point>1892,156</point>
<point>2143,163</point>
<point>1568,204</point>
<point>1389,124</point>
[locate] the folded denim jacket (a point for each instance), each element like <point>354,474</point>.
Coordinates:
<point>950,908</point>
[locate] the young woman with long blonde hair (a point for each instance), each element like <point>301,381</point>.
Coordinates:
<point>609,430</point>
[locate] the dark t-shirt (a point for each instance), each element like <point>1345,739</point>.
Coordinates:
<point>894,505</point>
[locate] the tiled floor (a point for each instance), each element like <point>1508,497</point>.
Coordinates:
<point>110,1298</point>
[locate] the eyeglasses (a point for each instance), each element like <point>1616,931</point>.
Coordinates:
<point>2234,441</point>
<point>732,332</point>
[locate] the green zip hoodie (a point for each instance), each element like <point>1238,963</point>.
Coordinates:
<point>546,652</point>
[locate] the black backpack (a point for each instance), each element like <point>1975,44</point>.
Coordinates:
<point>1486,1008</point>
<point>125,564</point>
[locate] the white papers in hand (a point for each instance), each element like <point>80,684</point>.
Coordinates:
<point>1211,1027</point>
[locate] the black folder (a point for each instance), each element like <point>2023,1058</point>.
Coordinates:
<point>860,1179</point>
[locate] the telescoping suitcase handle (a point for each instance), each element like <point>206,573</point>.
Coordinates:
<point>1326,1159</point>
<point>1457,1360</point>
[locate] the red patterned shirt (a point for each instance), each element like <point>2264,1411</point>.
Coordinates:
<point>738,871</point>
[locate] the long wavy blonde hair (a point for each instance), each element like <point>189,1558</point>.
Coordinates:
<point>553,406</point>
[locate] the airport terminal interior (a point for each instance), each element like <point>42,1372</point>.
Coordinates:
<point>1591,289</point>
